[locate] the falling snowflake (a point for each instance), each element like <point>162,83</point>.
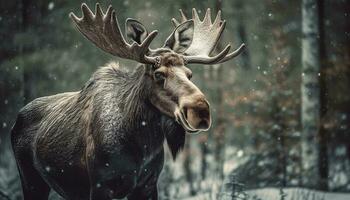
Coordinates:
<point>240,153</point>
<point>51,5</point>
<point>126,3</point>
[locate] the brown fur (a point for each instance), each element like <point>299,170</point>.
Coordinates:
<point>60,141</point>
<point>171,59</point>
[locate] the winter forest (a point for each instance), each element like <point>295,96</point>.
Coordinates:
<point>280,111</point>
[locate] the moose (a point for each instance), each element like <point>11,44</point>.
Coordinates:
<point>106,140</point>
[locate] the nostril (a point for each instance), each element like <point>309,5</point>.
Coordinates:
<point>203,124</point>
<point>203,113</point>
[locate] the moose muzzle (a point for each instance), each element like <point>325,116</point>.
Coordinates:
<point>194,113</point>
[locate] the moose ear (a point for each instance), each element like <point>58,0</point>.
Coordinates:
<point>135,30</point>
<point>181,38</point>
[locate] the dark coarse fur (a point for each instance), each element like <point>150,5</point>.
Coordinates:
<point>103,142</point>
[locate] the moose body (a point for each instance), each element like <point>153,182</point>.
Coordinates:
<point>81,140</point>
<point>106,140</point>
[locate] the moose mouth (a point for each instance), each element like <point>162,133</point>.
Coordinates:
<point>181,119</point>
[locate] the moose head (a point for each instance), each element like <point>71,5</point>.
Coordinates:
<point>192,41</point>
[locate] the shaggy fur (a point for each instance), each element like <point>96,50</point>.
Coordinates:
<point>103,142</point>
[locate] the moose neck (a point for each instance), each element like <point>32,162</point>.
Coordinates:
<point>121,100</point>
<point>119,96</point>
<point>135,95</point>
<point>140,118</point>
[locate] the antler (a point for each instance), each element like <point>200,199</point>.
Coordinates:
<point>104,31</point>
<point>205,37</point>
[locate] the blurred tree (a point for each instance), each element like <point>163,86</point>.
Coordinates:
<point>310,88</point>
<point>323,134</point>
<point>11,79</point>
<point>238,11</point>
<point>31,13</point>
<point>187,166</point>
<point>220,125</point>
<point>335,101</point>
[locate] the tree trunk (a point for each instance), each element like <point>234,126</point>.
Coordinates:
<point>323,149</point>
<point>29,12</point>
<point>11,83</point>
<point>310,93</point>
<point>219,132</point>
<point>240,29</point>
<point>204,152</point>
<point>187,167</point>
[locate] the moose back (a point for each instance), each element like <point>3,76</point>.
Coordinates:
<point>106,140</point>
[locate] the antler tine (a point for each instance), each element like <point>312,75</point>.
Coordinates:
<point>108,15</point>
<point>74,18</point>
<point>104,31</point>
<point>98,11</point>
<point>207,59</point>
<point>233,54</point>
<point>87,13</point>
<point>149,39</point>
<point>183,19</point>
<point>183,16</point>
<point>207,17</point>
<point>175,22</point>
<point>218,18</point>
<point>195,15</point>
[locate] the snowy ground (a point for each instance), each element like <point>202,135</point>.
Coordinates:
<point>298,194</point>
<point>291,194</point>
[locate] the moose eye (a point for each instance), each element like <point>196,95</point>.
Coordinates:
<point>159,76</point>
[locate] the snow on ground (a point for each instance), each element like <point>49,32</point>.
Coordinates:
<point>297,194</point>
<point>291,194</point>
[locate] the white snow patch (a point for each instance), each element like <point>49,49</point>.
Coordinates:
<point>297,194</point>
<point>274,194</point>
